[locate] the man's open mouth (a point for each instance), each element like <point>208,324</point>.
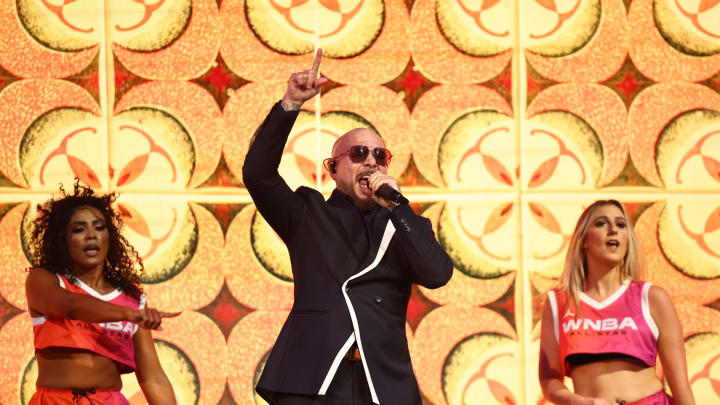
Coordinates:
<point>364,182</point>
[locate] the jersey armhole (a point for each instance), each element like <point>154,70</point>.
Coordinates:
<point>646,310</point>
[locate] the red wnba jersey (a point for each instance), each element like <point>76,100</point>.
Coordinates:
<point>622,323</point>
<point>109,339</point>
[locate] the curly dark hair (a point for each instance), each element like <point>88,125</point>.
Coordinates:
<point>48,247</point>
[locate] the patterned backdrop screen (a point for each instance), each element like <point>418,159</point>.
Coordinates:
<point>505,119</point>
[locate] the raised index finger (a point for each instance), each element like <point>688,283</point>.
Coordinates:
<point>169,314</point>
<point>316,62</point>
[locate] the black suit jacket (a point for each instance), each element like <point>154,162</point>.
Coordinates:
<point>350,285</point>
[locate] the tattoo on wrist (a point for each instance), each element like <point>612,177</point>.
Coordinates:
<point>290,105</point>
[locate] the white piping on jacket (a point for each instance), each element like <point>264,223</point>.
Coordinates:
<point>387,236</point>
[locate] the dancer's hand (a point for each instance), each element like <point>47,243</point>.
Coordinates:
<point>151,318</point>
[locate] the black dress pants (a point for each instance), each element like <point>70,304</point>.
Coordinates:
<point>348,387</point>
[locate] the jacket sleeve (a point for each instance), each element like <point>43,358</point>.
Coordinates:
<point>430,265</point>
<point>274,199</point>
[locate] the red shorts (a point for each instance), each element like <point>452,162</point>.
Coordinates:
<point>658,398</point>
<point>49,396</point>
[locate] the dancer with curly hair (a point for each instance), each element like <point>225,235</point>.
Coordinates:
<point>89,317</point>
<point>604,328</point>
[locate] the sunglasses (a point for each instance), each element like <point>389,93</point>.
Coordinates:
<point>358,154</point>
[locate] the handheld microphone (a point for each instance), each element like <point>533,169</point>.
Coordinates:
<point>388,193</point>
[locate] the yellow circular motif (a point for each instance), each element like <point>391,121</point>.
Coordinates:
<point>270,249</point>
<point>680,145</point>
<point>27,381</point>
<point>341,122</point>
<point>459,154</point>
<point>559,130</point>
<point>467,369</point>
<point>703,360</point>
<point>64,27</point>
<point>551,33</point>
<point>166,141</point>
<point>701,345</point>
<point>300,163</point>
<point>344,28</point>
<point>683,28</point>
<point>142,27</point>
<point>468,252</point>
<point>173,255</point>
<point>180,371</point>
<point>48,133</point>
<point>546,232</point>
<point>464,28</point>
<point>166,260</point>
<point>256,377</point>
<point>337,123</point>
<point>683,240</point>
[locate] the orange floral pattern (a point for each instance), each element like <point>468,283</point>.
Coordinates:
<point>505,118</point>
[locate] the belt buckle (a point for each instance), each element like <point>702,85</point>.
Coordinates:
<point>353,354</point>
